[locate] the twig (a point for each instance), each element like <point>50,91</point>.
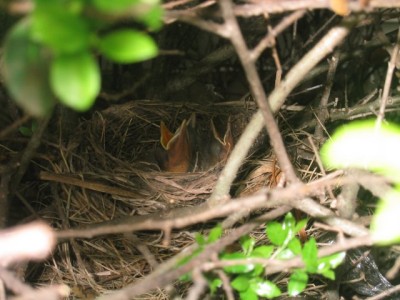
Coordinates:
<point>268,40</point>
<point>276,100</point>
<point>323,113</point>
<point>29,152</point>
<point>199,285</point>
<point>235,36</point>
<point>272,6</point>
<point>14,126</point>
<point>226,285</point>
<point>386,293</point>
<point>388,81</point>
<point>294,195</point>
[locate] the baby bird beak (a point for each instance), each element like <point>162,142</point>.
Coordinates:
<point>220,148</point>
<point>175,154</point>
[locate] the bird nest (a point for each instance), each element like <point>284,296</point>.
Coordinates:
<point>106,170</point>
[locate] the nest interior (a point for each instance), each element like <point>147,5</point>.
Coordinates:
<point>106,170</point>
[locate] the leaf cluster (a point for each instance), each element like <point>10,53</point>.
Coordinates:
<point>249,281</point>
<point>51,53</point>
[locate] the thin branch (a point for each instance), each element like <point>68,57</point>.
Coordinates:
<point>272,6</point>
<point>28,153</point>
<point>323,113</point>
<point>276,99</point>
<point>226,285</point>
<point>294,195</point>
<point>388,80</point>
<point>269,39</point>
<point>385,294</point>
<point>199,285</point>
<point>236,37</point>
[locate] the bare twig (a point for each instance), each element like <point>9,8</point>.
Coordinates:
<point>293,195</point>
<point>388,80</point>
<point>226,285</point>
<point>235,36</point>
<point>268,40</point>
<point>29,151</point>
<point>14,126</point>
<point>323,113</point>
<point>276,100</point>
<point>199,285</point>
<point>386,293</point>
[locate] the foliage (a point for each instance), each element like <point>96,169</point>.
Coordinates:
<point>249,279</point>
<point>51,52</point>
<point>362,144</point>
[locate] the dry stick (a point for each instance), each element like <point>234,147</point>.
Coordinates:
<point>323,113</point>
<point>199,285</point>
<point>385,293</point>
<point>269,39</point>
<point>276,99</point>
<point>236,38</point>
<point>388,81</point>
<point>280,6</point>
<point>226,285</point>
<point>14,126</point>
<point>29,152</point>
<point>180,218</point>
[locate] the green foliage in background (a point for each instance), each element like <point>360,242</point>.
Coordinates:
<point>362,144</point>
<point>249,281</point>
<point>51,53</point>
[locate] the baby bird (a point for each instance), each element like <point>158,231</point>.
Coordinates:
<point>175,154</point>
<point>209,148</point>
<point>220,148</point>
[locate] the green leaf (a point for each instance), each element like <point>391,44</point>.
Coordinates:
<point>247,244</point>
<point>248,295</point>
<point>310,255</point>
<point>258,270</point>
<point>276,233</point>
<point>285,254</point>
<point>328,273</point>
<point>265,288</point>
<point>331,261</point>
<point>281,234</point>
<point>385,224</point>
<point>152,18</point>
<point>71,6</point>
<point>25,131</point>
<point>108,6</point>
<point>214,285</point>
<point>26,71</point>
<point>61,31</point>
<point>240,283</point>
<point>300,225</point>
<point>239,269</point>
<point>263,251</point>
<point>127,46</point>
<point>214,234</point>
<point>297,282</point>
<point>295,246</point>
<point>200,239</point>
<point>75,79</point>
<point>186,277</point>
<point>361,145</point>
<point>289,220</point>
